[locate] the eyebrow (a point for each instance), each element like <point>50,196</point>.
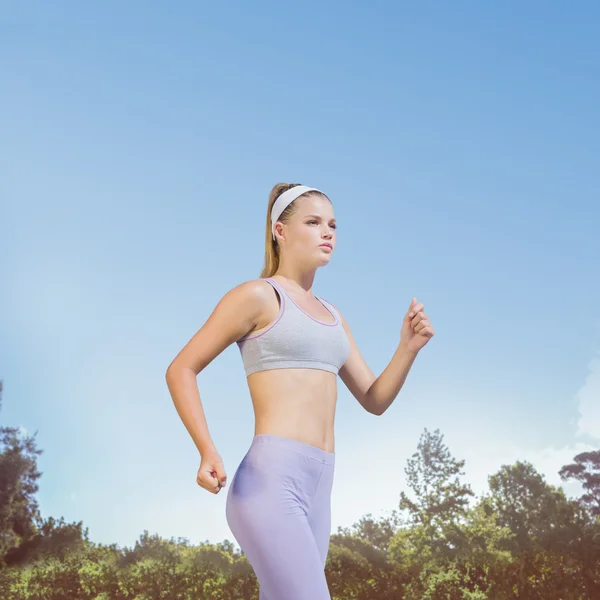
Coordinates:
<point>318,217</point>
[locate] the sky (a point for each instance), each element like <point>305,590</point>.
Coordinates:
<point>459,145</point>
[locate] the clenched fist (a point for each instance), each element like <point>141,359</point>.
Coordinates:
<point>211,474</point>
<point>416,327</point>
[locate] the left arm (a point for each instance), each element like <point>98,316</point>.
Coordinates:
<point>376,394</point>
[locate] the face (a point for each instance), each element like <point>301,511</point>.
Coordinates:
<point>311,226</point>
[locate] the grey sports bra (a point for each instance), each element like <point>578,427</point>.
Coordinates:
<point>295,340</point>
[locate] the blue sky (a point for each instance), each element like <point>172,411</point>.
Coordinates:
<point>459,146</point>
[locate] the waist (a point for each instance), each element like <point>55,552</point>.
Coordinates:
<point>294,445</point>
<point>302,381</point>
<point>295,403</point>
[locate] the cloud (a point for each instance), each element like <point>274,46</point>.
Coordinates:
<point>369,479</point>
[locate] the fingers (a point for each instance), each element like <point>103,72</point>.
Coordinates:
<point>221,480</point>
<point>415,307</point>
<point>423,325</point>
<point>220,475</point>
<point>424,329</point>
<point>212,485</point>
<point>211,474</point>
<point>420,320</point>
<point>212,480</point>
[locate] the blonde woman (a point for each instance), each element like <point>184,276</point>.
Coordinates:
<point>293,345</point>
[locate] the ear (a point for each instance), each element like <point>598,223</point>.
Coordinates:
<point>278,229</point>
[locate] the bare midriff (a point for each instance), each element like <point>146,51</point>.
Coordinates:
<point>295,403</point>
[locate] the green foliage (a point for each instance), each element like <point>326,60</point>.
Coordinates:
<point>522,540</point>
<point>18,484</point>
<point>586,470</point>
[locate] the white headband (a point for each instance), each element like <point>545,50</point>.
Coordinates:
<point>285,200</point>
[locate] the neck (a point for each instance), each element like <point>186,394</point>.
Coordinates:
<point>296,276</point>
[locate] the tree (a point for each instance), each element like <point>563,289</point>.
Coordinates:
<point>19,512</point>
<point>538,514</point>
<point>432,546</point>
<point>548,542</point>
<point>586,470</point>
<point>441,499</point>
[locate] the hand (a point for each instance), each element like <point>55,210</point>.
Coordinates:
<point>211,474</point>
<point>416,328</point>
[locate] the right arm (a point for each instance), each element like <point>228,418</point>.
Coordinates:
<point>235,315</point>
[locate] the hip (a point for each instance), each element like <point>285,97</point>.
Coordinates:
<point>279,471</point>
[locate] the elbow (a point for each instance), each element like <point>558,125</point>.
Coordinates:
<point>169,372</point>
<point>175,371</point>
<point>370,407</point>
<point>173,379</point>
<point>172,372</point>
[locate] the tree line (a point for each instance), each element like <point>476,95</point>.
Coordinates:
<point>522,539</point>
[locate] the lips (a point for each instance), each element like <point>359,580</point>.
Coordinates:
<point>326,246</point>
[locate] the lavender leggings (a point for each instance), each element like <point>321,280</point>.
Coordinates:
<point>279,511</point>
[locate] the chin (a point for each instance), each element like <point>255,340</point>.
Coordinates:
<point>323,258</point>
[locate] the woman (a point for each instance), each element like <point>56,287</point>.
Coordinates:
<point>293,345</point>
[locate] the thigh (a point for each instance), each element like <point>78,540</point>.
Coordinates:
<point>319,513</point>
<point>267,514</point>
<point>285,558</point>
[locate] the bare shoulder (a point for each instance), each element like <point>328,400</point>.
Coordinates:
<point>255,294</point>
<point>235,315</point>
<point>262,289</point>
<point>247,299</point>
<point>252,289</point>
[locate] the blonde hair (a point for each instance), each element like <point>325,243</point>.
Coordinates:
<point>271,246</point>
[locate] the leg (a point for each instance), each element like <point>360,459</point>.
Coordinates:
<point>287,563</point>
<point>319,513</point>
<point>267,513</point>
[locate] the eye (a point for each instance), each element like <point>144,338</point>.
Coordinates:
<point>316,222</point>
